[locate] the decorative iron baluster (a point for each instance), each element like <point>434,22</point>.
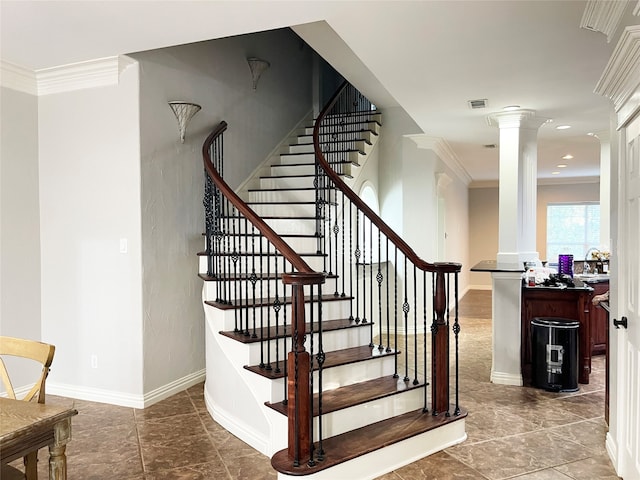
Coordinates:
<point>456,331</point>
<point>357,256</point>
<point>379,279</point>
<point>425,407</point>
<point>320,358</point>
<point>415,325</point>
<point>405,310</point>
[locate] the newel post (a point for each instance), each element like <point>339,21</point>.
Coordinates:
<point>440,340</point>
<point>299,369</point>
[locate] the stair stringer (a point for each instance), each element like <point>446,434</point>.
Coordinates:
<point>234,396</point>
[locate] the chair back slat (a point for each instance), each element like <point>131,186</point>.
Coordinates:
<point>30,349</point>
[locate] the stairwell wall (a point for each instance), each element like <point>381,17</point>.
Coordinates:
<point>89,171</point>
<point>215,75</point>
<point>19,221</point>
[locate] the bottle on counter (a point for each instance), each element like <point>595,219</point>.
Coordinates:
<point>531,277</point>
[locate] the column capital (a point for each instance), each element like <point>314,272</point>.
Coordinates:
<point>517,119</point>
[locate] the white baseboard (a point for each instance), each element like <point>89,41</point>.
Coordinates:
<point>125,399</point>
<point>612,450</point>
<point>502,378</point>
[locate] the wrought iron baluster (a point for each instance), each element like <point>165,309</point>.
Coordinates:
<point>415,325</point>
<point>253,278</point>
<point>405,310</point>
<point>320,359</point>
<point>357,262</point>
<point>395,314</point>
<point>425,408</point>
<point>456,331</point>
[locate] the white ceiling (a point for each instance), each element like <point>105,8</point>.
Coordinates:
<point>430,57</point>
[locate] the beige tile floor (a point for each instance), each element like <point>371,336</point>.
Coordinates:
<point>513,432</point>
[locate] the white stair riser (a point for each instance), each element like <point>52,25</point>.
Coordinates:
<point>331,340</point>
<point>330,311</point>
<point>284,210</point>
<point>342,421</point>
<point>366,135</point>
<point>282,196</point>
<point>282,226</point>
<point>246,264</point>
<point>393,457</point>
<point>373,124</point>
<point>287,182</point>
<point>299,244</point>
<point>301,147</point>
<point>307,169</point>
<point>245,289</point>
<point>294,159</point>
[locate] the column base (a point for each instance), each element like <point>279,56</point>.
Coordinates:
<point>502,378</point>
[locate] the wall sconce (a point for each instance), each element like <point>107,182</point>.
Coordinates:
<point>184,112</point>
<point>257,66</point>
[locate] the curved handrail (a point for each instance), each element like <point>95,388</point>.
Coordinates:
<point>445,267</point>
<point>292,257</point>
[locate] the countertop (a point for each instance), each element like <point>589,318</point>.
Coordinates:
<point>494,266</point>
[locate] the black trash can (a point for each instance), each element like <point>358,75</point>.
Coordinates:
<point>554,354</point>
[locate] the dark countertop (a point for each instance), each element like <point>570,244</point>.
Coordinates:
<point>579,285</point>
<point>494,266</point>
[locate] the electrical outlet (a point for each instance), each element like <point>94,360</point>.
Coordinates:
<point>124,245</point>
<point>94,361</point>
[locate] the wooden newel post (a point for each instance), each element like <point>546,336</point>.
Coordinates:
<point>299,370</point>
<point>440,342</point>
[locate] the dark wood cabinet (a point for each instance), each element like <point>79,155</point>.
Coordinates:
<point>570,303</point>
<point>598,318</point>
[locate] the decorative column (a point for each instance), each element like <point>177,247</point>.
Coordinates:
<point>516,236</point>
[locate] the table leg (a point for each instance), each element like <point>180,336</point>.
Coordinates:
<point>57,456</point>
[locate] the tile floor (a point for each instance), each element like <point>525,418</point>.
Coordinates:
<point>513,432</point>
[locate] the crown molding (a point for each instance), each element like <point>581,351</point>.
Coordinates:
<point>603,16</point>
<point>444,151</point>
<point>18,78</point>
<point>65,78</point>
<point>78,76</point>
<point>621,77</point>
<point>540,182</point>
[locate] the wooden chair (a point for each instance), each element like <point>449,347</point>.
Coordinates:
<point>43,354</point>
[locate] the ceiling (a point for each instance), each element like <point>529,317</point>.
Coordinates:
<point>430,57</point>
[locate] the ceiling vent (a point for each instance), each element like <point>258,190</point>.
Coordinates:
<point>490,145</point>
<point>474,104</point>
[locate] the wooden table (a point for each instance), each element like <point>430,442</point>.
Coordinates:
<point>28,426</point>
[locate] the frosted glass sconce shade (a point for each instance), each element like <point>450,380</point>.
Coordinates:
<point>184,112</point>
<point>257,66</point>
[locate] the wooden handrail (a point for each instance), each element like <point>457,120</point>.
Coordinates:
<point>292,257</point>
<point>445,267</point>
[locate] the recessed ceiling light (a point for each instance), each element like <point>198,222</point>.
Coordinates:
<point>562,165</point>
<point>555,173</point>
<point>563,127</point>
<point>567,157</point>
<point>511,108</point>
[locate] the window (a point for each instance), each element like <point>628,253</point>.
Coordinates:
<point>572,228</point>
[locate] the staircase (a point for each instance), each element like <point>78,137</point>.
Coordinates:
<point>327,338</point>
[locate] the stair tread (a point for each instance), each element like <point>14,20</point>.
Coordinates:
<point>353,444</point>
<point>284,331</point>
<point>264,254</point>
<point>344,131</point>
<point>333,358</point>
<point>262,302</point>
<point>354,394</point>
<point>245,276</point>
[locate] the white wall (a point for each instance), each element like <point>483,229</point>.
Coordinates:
<point>19,220</point>
<point>89,161</point>
<point>216,76</point>
<point>483,220</point>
